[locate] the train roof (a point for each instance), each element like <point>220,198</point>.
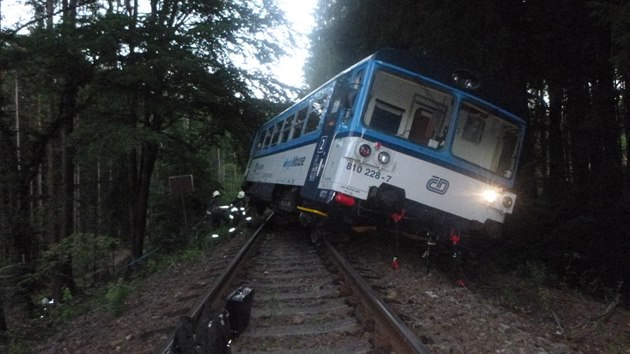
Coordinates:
<point>489,88</point>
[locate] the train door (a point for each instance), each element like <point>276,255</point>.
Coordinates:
<point>329,121</point>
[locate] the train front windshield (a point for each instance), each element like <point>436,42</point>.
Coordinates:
<point>486,140</point>
<point>423,115</point>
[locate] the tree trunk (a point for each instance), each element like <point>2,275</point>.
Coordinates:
<point>64,276</point>
<point>579,149</point>
<point>607,159</point>
<point>625,109</point>
<point>557,177</point>
<point>141,183</point>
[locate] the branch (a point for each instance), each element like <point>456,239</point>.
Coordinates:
<point>594,320</point>
<point>11,33</point>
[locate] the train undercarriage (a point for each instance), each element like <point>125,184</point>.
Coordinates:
<point>386,209</point>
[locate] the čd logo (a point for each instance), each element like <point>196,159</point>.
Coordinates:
<point>437,185</point>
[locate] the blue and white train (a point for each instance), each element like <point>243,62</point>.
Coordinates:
<point>395,140</point>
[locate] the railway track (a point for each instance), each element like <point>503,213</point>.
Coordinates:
<point>307,300</point>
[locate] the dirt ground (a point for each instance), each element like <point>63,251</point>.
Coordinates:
<point>501,313</point>
<point>504,314</point>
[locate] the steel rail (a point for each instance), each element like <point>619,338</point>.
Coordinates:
<point>405,341</point>
<point>219,285</point>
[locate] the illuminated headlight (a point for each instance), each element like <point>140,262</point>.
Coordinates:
<point>383,157</point>
<point>500,200</point>
<point>490,195</point>
<point>215,235</point>
<point>365,150</point>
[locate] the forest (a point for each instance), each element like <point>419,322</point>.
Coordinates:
<point>104,101</point>
<point>572,59</point>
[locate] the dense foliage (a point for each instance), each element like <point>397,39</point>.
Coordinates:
<point>101,103</point>
<point>572,60</point>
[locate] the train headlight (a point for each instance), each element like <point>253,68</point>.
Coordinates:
<point>507,202</point>
<point>365,150</point>
<point>383,157</point>
<point>498,199</point>
<point>490,195</point>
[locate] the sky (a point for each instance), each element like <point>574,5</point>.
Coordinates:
<point>300,14</point>
<point>290,68</point>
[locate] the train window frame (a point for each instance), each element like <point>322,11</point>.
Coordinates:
<point>316,111</point>
<point>285,131</point>
<point>491,145</point>
<point>386,117</point>
<point>275,134</point>
<point>259,141</point>
<point>474,127</point>
<point>506,164</point>
<point>387,85</point>
<point>298,122</point>
<point>436,113</point>
<point>266,138</point>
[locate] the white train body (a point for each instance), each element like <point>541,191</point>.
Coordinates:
<point>385,142</point>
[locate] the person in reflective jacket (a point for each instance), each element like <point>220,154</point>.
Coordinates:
<point>214,211</point>
<point>238,207</point>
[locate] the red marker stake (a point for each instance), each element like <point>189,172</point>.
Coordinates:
<point>395,264</point>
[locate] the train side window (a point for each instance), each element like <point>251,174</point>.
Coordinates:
<point>315,114</point>
<point>298,123</point>
<point>312,121</point>
<point>276,133</point>
<point>259,140</point>
<point>386,117</point>
<point>286,129</point>
<point>267,138</point>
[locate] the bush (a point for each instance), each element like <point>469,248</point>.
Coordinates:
<point>116,296</point>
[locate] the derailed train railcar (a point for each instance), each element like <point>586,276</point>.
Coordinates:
<point>395,140</point>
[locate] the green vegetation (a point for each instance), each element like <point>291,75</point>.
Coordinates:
<point>102,104</point>
<point>571,62</point>
<point>110,298</point>
<point>116,295</point>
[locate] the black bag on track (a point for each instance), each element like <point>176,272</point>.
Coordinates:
<point>239,305</point>
<point>213,332</point>
<point>184,341</point>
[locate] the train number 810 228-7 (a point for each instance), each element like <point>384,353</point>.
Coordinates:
<point>370,172</point>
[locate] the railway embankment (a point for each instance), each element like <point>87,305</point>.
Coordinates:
<point>450,312</point>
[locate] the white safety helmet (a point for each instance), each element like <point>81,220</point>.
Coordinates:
<point>240,195</point>
<point>216,194</point>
